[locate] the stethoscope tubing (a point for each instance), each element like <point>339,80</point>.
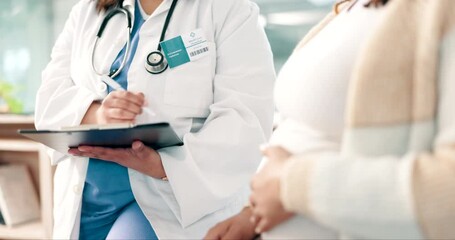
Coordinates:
<point>128,41</point>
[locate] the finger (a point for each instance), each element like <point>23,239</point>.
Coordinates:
<point>263,147</point>
<point>120,114</point>
<point>218,231</point>
<point>78,153</point>
<point>252,201</point>
<point>113,120</point>
<point>100,156</point>
<point>107,154</point>
<point>84,154</point>
<point>75,152</point>
<point>124,104</point>
<point>255,216</point>
<point>145,100</point>
<point>231,234</point>
<point>137,98</point>
<point>255,212</point>
<point>212,236</point>
<point>277,153</point>
<point>270,150</point>
<point>83,148</point>
<point>215,232</point>
<point>253,182</point>
<point>100,150</point>
<point>91,155</point>
<point>254,219</point>
<point>262,226</point>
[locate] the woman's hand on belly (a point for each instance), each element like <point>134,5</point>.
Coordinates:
<point>268,210</point>
<point>139,157</point>
<point>236,227</point>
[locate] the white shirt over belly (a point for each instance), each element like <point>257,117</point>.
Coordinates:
<point>311,93</point>
<point>312,87</point>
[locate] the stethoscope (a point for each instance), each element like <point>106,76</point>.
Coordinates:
<point>155,62</point>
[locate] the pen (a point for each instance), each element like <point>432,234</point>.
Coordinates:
<point>112,83</point>
<point>116,86</point>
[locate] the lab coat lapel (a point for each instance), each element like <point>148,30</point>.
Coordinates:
<point>153,25</point>
<point>162,8</point>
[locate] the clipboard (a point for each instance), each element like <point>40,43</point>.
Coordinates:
<point>156,136</point>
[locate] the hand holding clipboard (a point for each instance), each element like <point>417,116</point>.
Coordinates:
<point>156,136</point>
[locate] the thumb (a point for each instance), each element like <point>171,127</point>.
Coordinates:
<point>138,146</point>
<point>140,149</point>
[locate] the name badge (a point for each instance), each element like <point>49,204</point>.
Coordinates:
<point>185,48</point>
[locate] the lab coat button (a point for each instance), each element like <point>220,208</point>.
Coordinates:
<point>102,88</point>
<point>77,189</point>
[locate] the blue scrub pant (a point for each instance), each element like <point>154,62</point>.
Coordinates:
<point>130,224</point>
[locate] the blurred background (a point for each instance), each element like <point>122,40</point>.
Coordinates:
<point>29,28</point>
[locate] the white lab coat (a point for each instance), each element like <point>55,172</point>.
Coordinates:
<point>220,105</point>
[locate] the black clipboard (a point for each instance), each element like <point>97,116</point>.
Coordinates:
<point>156,136</point>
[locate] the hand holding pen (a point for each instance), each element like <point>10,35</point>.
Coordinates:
<point>119,106</point>
<point>117,87</point>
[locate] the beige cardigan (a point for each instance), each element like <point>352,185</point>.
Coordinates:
<point>393,178</point>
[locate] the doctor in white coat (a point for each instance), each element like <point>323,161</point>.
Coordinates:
<point>220,105</point>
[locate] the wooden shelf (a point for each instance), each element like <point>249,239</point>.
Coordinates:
<point>30,230</point>
<point>19,145</point>
<point>16,119</point>
<point>14,148</point>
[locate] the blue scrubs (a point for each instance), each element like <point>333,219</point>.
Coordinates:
<point>109,209</point>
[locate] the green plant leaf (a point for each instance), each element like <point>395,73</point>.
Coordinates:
<point>7,91</point>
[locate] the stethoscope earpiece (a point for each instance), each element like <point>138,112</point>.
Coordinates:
<point>156,62</point>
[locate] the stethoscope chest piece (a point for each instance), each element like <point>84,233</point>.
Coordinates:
<point>156,62</point>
